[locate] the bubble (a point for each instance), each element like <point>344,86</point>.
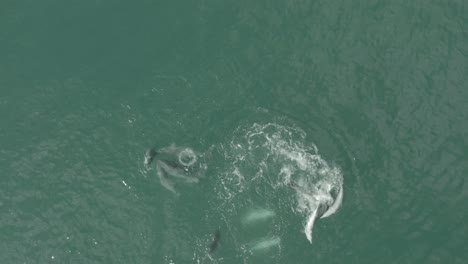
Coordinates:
<point>187,157</point>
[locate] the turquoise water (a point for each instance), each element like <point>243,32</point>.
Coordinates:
<point>280,100</point>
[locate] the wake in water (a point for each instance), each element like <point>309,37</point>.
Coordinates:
<point>265,173</point>
<point>269,159</point>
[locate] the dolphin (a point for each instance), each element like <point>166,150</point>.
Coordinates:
<point>150,154</point>
<point>176,165</point>
<point>327,205</point>
<point>257,215</point>
<point>265,243</point>
<point>168,167</point>
<point>176,170</point>
<point>214,243</point>
<point>165,181</point>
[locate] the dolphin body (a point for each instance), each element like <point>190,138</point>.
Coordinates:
<point>326,207</point>
<point>176,170</point>
<point>215,243</point>
<point>165,182</point>
<point>265,244</point>
<point>257,215</point>
<point>167,168</point>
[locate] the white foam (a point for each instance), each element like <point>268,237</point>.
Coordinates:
<point>273,155</point>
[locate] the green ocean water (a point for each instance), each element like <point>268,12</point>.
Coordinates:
<point>266,93</point>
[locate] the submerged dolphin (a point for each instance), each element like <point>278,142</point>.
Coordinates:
<point>167,167</point>
<point>257,215</point>
<point>176,170</point>
<point>215,243</point>
<point>151,154</point>
<point>163,178</point>
<point>213,246</point>
<point>265,243</point>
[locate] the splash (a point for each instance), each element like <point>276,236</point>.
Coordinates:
<point>268,159</point>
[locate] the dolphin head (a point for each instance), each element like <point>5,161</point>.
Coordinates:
<point>150,154</point>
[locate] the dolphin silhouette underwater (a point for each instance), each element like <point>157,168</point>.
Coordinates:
<point>212,246</point>
<point>167,168</point>
<point>214,243</point>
